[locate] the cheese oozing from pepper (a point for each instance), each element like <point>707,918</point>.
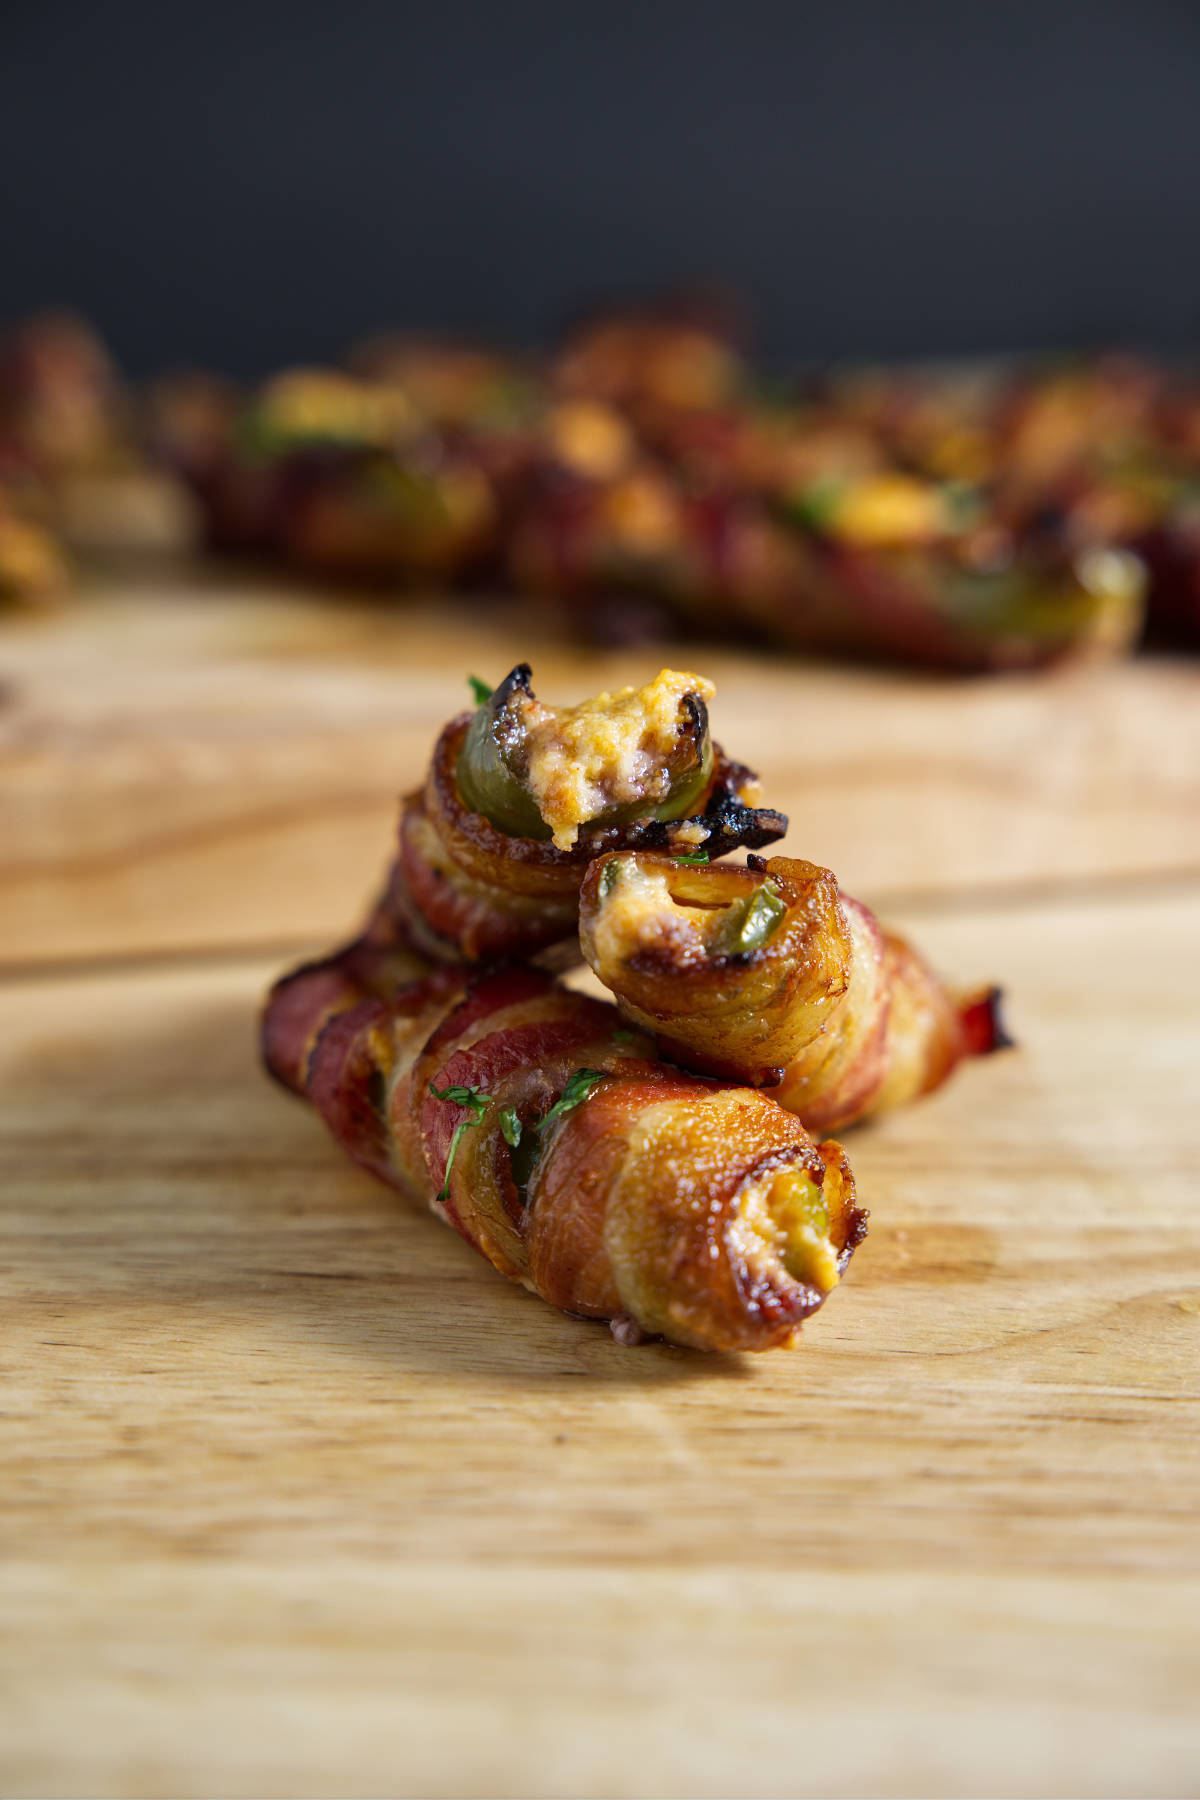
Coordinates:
<point>613,750</point>
<point>782,1217</point>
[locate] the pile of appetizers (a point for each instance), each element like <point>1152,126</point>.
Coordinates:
<point>645,1161</point>
<point>643,480</point>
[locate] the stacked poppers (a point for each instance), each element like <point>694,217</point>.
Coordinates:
<point>647,1162</point>
<point>642,480</point>
<point>645,483</point>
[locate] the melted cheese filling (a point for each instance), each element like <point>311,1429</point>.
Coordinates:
<point>782,1219</point>
<point>611,751</point>
<point>638,915</point>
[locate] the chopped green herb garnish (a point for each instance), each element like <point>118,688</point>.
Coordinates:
<point>461,1096</point>
<point>576,1091</point>
<point>479,689</point>
<point>510,1126</point>
<point>696,857</point>
<point>474,1100</point>
<point>524,1141</point>
<point>463,1125</point>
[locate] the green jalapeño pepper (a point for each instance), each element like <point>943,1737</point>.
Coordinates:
<point>490,766</point>
<point>486,773</point>
<point>751,923</point>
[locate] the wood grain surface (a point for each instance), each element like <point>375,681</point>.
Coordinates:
<point>301,1498</point>
<point>195,763</point>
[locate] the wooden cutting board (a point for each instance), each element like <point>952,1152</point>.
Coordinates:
<point>198,765</point>
<point>301,1498</point>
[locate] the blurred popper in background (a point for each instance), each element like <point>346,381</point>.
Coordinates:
<point>77,474</point>
<point>62,417</point>
<point>393,475</point>
<point>642,479</point>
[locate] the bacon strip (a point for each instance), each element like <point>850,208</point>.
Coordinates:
<point>841,1018</point>
<point>666,1204</point>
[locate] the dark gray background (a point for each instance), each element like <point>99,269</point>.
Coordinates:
<point>250,184</point>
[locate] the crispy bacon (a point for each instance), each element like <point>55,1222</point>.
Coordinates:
<point>379,961</point>
<point>770,975</point>
<point>461,888</point>
<point>664,1203</point>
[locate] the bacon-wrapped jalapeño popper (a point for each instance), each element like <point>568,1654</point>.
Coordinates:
<point>33,567</point>
<point>520,796</point>
<point>340,475</point>
<point>555,1143</point>
<point>768,974</point>
<point>901,567</point>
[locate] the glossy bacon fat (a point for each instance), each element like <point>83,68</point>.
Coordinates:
<point>768,974</point>
<point>521,796</point>
<point>551,1138</point>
